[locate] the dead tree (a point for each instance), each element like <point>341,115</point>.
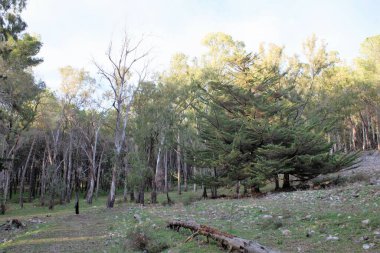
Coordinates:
<point>118,78</point>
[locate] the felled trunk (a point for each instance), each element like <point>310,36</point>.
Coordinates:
<point>229,242</point>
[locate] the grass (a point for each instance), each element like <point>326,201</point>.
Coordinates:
<point>337,212</point>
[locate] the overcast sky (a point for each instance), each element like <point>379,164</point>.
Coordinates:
<point>75,31</point>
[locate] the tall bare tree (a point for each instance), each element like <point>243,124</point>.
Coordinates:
<point>119,78</point>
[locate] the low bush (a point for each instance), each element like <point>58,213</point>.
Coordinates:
<point>141,238</point>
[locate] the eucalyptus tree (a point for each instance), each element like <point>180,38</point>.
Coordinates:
<point>119,78</point>
<point>368,76</point>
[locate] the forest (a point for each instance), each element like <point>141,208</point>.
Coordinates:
<point>227,119</point>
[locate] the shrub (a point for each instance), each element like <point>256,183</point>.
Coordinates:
<point>141,238</point>
<point>273,223</point>
<point>189,199</point>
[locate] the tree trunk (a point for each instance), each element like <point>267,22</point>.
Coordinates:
<point>204,194</point>
<point>354,140</point>
<point>90,192</point>
<point>43,181</point>
<point>32,183</point>
<point>377,136</point>
<point>185,177</point>
<point>69,169</point>
<point>166,188</point>
<point>214,192</point>
<point>24,168</point>
<point>98,176</point>
<point>132,195</point>
<point>76,202</point>
<point>91,174</point>
<point>158,173</point>
<point>111,195</point>
<point>238,189</point>
<point>286,183</point>
<point>125,191</point>
<point>277,183</point>
<point>179,165</point>
<point>141,194</point>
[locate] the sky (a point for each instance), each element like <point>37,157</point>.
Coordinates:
<point>76,32</point>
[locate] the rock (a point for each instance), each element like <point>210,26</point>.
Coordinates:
<point>286,232</point>
<point>310,233</point>
<point>364,238</point>
<point>332,238</point>
<point>374,181</point>
<point>280,217</point>
<point>365,222</point>
<point>368,246</point>
<point>307,217</point>
<point>267,216</point>
<point>137,218</point>
<point>376,236</point>
<point>35,220</point>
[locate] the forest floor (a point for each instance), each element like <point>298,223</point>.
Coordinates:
<point>344,218</point>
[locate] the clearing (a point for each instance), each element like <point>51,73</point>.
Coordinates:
<point>338,219</point>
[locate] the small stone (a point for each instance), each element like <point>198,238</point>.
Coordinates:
<point>308,217</point>
<point>368,246</point>
<point>332,238</point>
<point>267,216</point>
<point>376,236</point>
<point>365,222</point>
<point>364,238</point>
<point>286,232</point>
<point>374,181</point>
<point>137,218</point>
<point>280,217</point>
<point>310,233</point>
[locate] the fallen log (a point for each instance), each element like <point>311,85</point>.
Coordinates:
<point>228,241</point>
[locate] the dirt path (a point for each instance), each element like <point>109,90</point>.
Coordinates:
<point>87,232</point>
